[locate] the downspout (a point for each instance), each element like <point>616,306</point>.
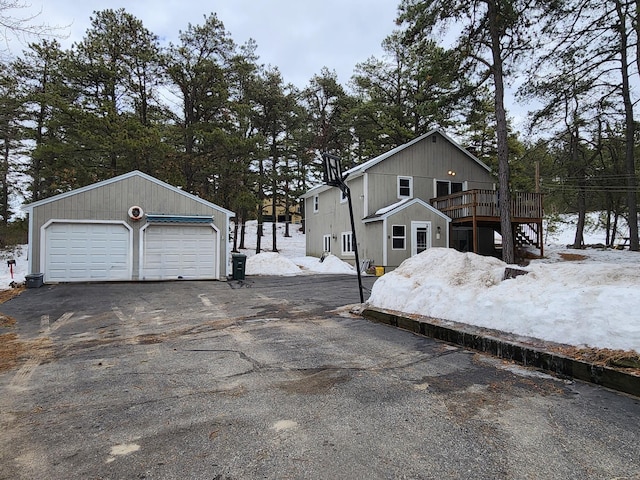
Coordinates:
<point>365,192</point>
<point>30,242</point>
<point>228,243</point>
<point>384,243</point>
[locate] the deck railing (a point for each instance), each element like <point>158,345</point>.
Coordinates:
<point>484,203</point>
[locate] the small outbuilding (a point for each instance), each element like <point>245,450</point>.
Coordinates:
<point>130,227</point>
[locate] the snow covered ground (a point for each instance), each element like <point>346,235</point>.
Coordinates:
<point>587,297</point>
<point>19,254</point>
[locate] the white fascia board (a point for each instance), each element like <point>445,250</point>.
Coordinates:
<point>314,191</point>
<point>360,169</point>
<point>401,206</point>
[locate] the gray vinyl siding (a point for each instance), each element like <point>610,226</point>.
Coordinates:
<point>318,224</point>
<point>413,213</point>
<point>374,185</point>
<point>372,242</point>
<point>426,162</point>
<point>111,202</point>
<point>333,218</point>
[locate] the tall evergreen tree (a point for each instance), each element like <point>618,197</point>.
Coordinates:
<point>403,95</point>
<point>114,70</point>
<point>602,35</point>
<point>11,115</point>
<point>493,34</point>
<point>198,69</point>
<point>273,113</point>
<point>47,98</point>
<point>327,105</point>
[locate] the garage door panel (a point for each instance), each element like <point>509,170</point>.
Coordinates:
<point>179,251</point>
<point>87,251</point>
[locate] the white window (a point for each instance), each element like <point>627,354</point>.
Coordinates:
<point>398,237</point>
<point>405,187</point>
<point>326,243</point>
<point>316,204</point>
<point>347,243</point>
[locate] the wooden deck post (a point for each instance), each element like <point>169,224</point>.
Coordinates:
<point>541,239</point>
<point>475,222</point>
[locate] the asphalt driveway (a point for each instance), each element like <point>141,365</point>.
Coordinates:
<point>269,378</point>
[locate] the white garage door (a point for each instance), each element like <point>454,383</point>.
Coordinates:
<point>78,252</point>
<point>179,251</point>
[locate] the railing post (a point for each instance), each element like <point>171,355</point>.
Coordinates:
<point>475,221</point>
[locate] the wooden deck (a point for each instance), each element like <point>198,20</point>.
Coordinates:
<point>479,208</point>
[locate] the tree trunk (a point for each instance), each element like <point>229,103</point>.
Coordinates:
<point>274,223</point>
<point>632,184</point>
<point>287,214</point>
<point>504,193</point>
<point>608,241</point>
<point>274,193</point>
<point>235,235</point>
<point>259,232</point>
<point>260,205</point>
<point>578,241</point>
<point>242,227</point>
<point>5,182</point>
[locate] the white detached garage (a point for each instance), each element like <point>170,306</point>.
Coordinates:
<point>131,227</point>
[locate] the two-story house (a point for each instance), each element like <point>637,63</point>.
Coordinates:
<point>393,198</point>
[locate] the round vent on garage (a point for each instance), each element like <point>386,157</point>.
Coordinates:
<point>135,213</point>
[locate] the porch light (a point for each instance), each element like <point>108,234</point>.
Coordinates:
<point>438,233</point>
<point>452,173</point>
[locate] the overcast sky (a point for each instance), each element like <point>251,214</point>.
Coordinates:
<point>297,36</point>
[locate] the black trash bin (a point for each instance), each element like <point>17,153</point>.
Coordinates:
<point>34,280</point>
<point>238,264</point>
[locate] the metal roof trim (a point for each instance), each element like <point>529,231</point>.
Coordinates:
<point>162,218</point>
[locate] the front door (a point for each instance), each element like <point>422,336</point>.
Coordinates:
<point>420,237</point>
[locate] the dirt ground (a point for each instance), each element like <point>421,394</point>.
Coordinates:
<point>8,295</point>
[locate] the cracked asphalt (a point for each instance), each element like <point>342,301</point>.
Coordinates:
<point>271,379</point>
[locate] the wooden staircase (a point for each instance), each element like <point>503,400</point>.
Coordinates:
<point>528,236</point>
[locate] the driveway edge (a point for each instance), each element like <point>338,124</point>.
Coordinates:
<point>522,350</point>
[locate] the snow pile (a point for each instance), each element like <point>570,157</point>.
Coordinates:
<point>290,258</point>
<point>270,263</point>
<point>582,304</point>
<point>331,264</point>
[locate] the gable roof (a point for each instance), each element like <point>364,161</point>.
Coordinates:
<point>135,173</point>
<point>363,167</point>
<point>390,210</point>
